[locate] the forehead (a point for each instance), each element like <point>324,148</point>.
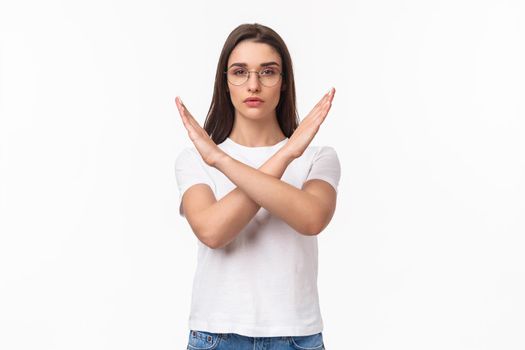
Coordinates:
<point>253,54</point>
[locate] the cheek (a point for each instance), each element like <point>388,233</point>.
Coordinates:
<point>235,98</point>
<point>276,97</point>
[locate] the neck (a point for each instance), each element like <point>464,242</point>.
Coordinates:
<point>256,132</point>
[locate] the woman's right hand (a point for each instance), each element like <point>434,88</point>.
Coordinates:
<point>208,150</point>
<point>309,126</point>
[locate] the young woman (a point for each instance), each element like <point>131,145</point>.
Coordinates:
<point>256,195</point>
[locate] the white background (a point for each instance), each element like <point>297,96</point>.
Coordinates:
<point>426,249</point>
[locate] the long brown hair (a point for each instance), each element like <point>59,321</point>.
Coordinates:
<point>220,118</point>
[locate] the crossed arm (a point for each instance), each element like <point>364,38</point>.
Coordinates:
<point>217,223</point>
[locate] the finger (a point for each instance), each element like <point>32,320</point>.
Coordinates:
<point>325,98</point>
<point>178,105</point>
<point>325,112</point>
<point>321,101</point>
<point>178,102</point>
<point>195,125</point>
<point>181,105</point>
<point>184,116</point>
<point>184,111</point>
<point>185,120</point>
<point>191,125</point>
<point>332,94</point>
<point>328,97</point>
<point>318,107</point>
<point>324,103</point>
<point>191,120</point>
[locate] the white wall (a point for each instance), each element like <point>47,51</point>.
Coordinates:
<point>426,247</point>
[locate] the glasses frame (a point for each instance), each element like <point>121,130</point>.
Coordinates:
<point>258,76</point>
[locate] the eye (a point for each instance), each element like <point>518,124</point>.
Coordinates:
<point>268,71</point>
<point>239,72</point>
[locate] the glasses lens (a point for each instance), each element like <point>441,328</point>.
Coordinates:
<point>267,76</point>
<point>237,76</point>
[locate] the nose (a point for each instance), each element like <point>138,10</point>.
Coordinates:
<point>253,82</point>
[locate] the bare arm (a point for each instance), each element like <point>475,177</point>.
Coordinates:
<point>217,223</point>
<point>307,210</point>
<point>302,210</point>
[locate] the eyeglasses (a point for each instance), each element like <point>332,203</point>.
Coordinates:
<point>268,76</point>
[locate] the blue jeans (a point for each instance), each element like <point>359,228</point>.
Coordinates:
<point>200,340</point>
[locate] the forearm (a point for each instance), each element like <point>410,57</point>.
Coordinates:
<point>228,216</point>
<point>296,207</point>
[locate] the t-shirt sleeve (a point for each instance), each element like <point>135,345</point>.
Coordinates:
<point>325,166</point>
<point>190,170</point>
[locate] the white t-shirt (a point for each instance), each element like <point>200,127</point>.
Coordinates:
<point>264,282</point>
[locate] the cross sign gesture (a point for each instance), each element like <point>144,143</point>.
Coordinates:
<point>294,148</point>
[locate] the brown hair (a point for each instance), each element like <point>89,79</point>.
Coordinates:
<point>220,118</point>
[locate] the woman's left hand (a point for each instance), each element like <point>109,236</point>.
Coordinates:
<point>208,150</point>
<point>307,129</point>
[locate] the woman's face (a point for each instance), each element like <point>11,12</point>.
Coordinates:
<point>249,56</point>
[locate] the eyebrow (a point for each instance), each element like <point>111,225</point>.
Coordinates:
<point>261,65</point>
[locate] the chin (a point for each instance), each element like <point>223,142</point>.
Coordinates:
<point>254,113</point>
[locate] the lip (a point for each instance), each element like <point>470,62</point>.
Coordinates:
<point>254,103</point>
<point>253,99</point>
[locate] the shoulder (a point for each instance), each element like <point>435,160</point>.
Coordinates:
<point>323,151</point>
<point>188,154</point>
<point>326,150</point>
<point>325,160</point>
<point>186,151</point>
<point>189,157</point>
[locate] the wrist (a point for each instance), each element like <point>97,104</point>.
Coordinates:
<point>284,155</point>
<point>220,158</point>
